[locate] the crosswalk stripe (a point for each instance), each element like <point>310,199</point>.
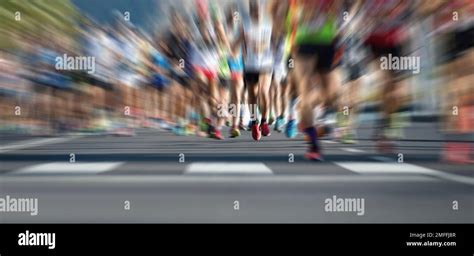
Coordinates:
<point>228,168</point>
<point>402,168</point>
<point>69,168</point>
<point>353,150</point>
<point>384,168</point>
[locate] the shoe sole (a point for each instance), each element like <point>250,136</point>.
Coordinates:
<point>314,159</point>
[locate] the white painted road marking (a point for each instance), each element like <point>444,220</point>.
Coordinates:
<point>384,168</point>
<point>69,168</point>
<point>33,143</point>
<point>353,150</point>
<point>228,168</point>
<point>402,168</point>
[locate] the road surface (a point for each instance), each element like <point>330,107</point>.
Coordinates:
<point>158,177</point>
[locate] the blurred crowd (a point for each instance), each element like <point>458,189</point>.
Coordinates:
<point>68,73</point>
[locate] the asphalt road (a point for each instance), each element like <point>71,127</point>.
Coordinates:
<point>167,178</point>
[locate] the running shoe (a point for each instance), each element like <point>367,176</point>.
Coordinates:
<point>250,125</point>
<point>234,133</point>
<point>279,124</point>
<point>291,129</point>
<point>178,130</point>
<point>124,131</point>
<point>203,125</point>
<point>209,127</point>
<point>256,135</point>
<point>216,134</point>
<point>271,120</point>
<point>313,155</point>
<point>166,126</point>
<point>265,129</point>
<point>243,127</point>
<point>190,129</point>
<point>457,153</point>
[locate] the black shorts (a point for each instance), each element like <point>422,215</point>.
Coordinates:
<point>384,51</point>
<point>224,82</point>
<point>380,51</point>
<point>457,43</point>
<point>251,77</point>
<point>465,39</point>
<point>324,55</point>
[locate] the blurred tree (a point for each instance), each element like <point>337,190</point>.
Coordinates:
<point>34,17</point>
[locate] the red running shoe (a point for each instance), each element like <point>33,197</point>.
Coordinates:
<point>217,135</point>
<point>265,129</point>
<point>313,156</point>
<point>256,132</point>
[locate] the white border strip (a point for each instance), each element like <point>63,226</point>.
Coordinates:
<point>68,168</point>
<point>389,167</point>
<point>228,168</point>
<point>353,150</point>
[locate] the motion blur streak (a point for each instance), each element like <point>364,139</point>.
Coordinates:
<point>65,68</point>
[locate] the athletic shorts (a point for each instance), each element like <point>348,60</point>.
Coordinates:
<point>457,43</point>
<point>236,67</point>
<point>322,54</point>
<point>383,51</point>
<point>224,82</point>
<point>380,51</point>
<point>253,77</point>
<point>206,72</point>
